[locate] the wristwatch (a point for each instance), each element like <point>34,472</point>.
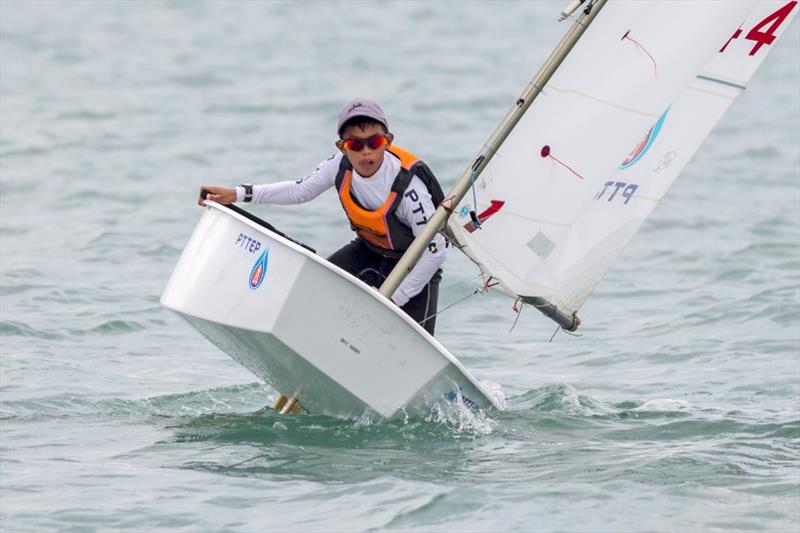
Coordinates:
<point>248,191</point>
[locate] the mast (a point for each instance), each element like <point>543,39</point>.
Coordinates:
<point>439,218</point>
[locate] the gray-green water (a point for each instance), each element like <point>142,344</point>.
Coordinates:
<point>678,409</point>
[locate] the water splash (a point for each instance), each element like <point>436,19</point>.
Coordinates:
<point>456,414</point>
<point>496,393</point>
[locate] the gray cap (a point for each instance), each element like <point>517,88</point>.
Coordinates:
<point>361,107</point>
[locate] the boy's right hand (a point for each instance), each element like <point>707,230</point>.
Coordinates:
<point>221,195</point>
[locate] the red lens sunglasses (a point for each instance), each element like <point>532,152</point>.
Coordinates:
<point>373,141</point>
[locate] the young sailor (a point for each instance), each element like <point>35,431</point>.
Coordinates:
<point>388,195</point>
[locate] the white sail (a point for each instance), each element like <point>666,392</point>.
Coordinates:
<point>555,205</point>
<point>647,172</point>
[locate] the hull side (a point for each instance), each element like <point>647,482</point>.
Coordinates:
<point>307,327</point>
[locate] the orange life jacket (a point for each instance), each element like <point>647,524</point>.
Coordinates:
<point>382,229</point>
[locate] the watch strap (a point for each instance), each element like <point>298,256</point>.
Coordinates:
<point>248,191</point>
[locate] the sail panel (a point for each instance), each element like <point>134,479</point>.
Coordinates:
<point>570,189</point>
<point>649,170</point>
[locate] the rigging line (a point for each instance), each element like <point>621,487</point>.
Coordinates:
<point>518,311</point>
<point>473,214</point>
<point>447,207</point>
<point>486,286</point>
<point>559,328</point>
<point>452,241</point>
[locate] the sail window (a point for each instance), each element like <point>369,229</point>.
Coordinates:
<point>541,245</point>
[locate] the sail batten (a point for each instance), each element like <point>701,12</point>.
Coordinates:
<point>609,103</point>
<point>722,82</point>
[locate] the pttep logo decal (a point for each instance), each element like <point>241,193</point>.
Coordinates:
<point>646,143</point>
<point>259,271</point>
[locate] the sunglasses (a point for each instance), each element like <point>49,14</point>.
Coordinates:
<point>374,142</point>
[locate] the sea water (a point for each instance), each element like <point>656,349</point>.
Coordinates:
<point>677,409</point>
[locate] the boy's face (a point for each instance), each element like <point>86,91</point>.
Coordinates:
<point>368,160</point>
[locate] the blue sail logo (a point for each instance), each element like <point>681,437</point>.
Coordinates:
<point>259,271</point>
<point>646,143</point>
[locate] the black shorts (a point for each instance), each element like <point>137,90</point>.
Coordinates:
<point>372,268</point>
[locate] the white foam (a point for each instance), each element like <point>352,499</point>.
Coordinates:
<point>496,393</point>
<point>659,405</point>
<point>456,414</point>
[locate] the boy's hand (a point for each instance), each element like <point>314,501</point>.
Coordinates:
<point>221,195</point>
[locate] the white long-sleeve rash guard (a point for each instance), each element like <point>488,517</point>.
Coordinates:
<point>414,210</point>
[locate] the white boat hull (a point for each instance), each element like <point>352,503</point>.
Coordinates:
<point>308,328</point>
